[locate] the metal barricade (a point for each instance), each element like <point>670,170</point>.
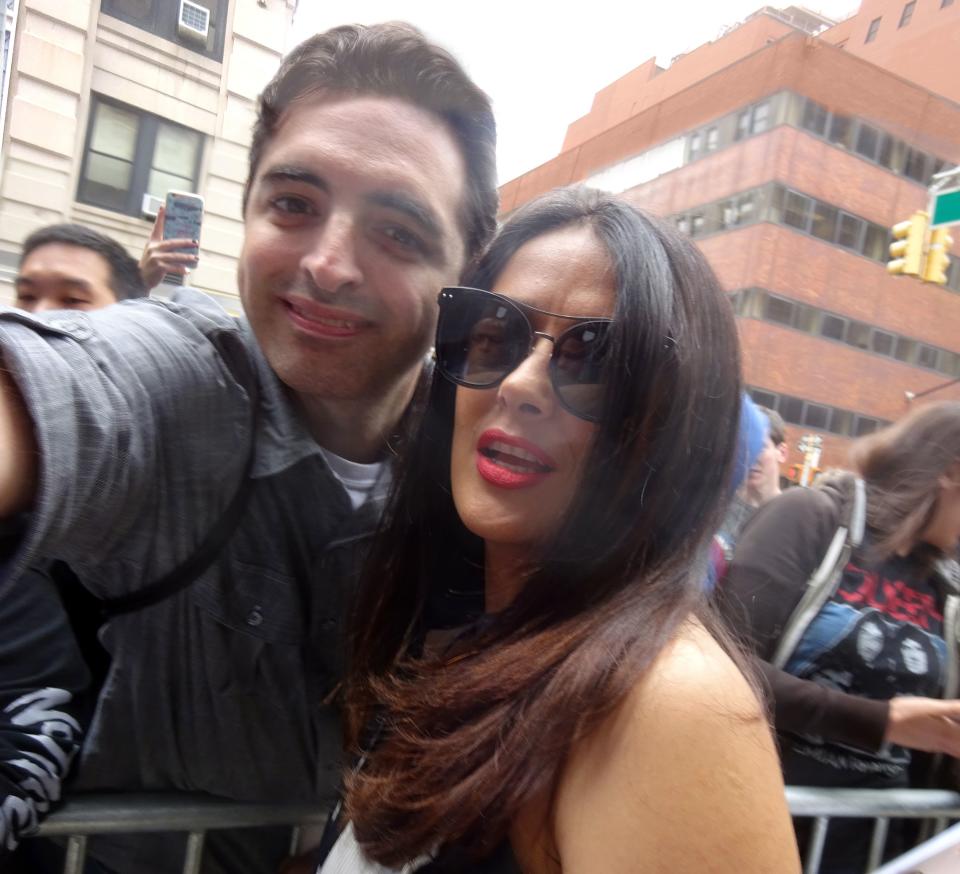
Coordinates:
<point>195,815</point>
<point>881,805</point>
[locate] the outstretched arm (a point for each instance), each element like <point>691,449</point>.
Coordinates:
<point>18,449</point>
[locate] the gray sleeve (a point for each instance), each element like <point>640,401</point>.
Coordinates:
<point>143,430</point>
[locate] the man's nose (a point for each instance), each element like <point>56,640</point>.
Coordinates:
<point>332,261</point>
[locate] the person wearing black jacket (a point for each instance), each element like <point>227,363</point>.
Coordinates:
<point>849,594</point>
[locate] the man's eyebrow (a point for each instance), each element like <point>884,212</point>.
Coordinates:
<point>23,280</point>
<point>414,209</point>
<point>293,173</point>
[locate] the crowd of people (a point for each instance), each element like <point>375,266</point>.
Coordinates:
<point>485,603</point>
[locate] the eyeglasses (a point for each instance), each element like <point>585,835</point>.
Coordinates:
<point>482,337</point>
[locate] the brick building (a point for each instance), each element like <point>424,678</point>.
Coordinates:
<point>787,152</point>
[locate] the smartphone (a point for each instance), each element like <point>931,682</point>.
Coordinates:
<point>182,218</point>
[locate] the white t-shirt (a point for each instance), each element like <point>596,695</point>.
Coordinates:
<point>362,481</point>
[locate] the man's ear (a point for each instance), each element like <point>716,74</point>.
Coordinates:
<point>782,452</point>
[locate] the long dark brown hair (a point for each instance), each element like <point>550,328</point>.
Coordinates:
<point>902,466</point>
<point>472,733</point>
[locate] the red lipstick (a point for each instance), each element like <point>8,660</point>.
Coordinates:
<point>511,462</point>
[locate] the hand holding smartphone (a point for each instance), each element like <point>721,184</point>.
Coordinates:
<point>173,247</point>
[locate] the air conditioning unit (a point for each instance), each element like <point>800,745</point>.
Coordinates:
<point>150,206</point>
<point>194,21</point>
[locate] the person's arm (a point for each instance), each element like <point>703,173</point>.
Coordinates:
<point>18,451</point>
<point>41,675</point>
<point>141,429</point>
<point>683,777</point>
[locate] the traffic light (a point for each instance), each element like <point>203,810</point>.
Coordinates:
<point>938,256</point>
<point>907,248</point>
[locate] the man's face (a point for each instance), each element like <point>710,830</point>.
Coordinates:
<point>763,480</point>
<point>59,276</point>
<point>351,230</point>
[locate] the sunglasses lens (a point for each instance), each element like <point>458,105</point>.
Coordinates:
<point>578,368</point>
<point>480,338</point>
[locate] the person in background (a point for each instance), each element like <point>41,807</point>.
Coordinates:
<point>762,483</point>
<point>862,632</point>
<point>570,727</point>
<point>70,267</point>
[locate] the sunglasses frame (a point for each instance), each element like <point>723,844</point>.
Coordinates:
<point>448,295</point>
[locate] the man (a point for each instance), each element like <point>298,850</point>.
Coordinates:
<point>762,484</point>
<point>763,480</point>
<point>70,267</point>
<point>371,184</point>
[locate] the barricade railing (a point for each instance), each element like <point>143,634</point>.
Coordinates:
<point>881,805</point>
<point>195,815</point>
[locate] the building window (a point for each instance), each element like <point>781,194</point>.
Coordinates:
<point>754,120</point>
<point>778,310</point>
<point>840,132</point>
<point>130,153</point>
<point>694,145</point>
<point>945,3</point>
<point>872,30</point>
<point>712,139</point>
<point>867,142</point>
<point>162,18</point>
<point>796,210</point>
<point>791,409</point>
<point>824,224</point>
<point>882,343</point>
<point>907,13</point>
<point>764,398</point>
<point>850,231</point>
<point>816,416</point>
<point>814,118</point>
<point>916,166</point>
<point>928,356</point>
<point>833,327</point>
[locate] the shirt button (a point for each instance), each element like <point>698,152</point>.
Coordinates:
<point>255,617</point>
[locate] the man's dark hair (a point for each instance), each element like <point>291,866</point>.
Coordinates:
<point>392,60</point>
<point>125,279</point>
<point>776,427</point>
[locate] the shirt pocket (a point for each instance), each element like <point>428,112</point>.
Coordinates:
<point>254,634</point>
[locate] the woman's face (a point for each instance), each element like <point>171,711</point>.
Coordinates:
<point>517,452</point>
<point>944,528</point>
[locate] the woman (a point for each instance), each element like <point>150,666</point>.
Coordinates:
<point>577,444</point>
<point>871,645</point>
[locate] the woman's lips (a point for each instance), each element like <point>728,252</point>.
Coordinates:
<point>511,462</point>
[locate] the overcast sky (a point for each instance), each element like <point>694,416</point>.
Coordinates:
<point>541,64</point>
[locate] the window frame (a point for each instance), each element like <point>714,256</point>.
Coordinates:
<point>906,15</point>
<point>142,164</point>
<point>165,28</point>
<point>873,29</point>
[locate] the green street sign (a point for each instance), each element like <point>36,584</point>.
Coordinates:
<point>946,208</point>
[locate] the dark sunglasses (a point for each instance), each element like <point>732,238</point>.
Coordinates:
<point>482,337</point>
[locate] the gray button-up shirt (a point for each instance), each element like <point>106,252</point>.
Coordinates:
<point>144,425</point>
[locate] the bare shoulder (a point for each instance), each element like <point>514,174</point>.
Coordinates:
<point>682,776</point>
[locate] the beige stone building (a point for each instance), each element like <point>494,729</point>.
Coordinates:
<point>106,101</point>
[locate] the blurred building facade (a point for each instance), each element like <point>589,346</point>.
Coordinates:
<point>787,148</point>
<point>111,100</point>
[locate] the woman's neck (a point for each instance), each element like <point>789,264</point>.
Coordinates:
<point>505,568</point>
